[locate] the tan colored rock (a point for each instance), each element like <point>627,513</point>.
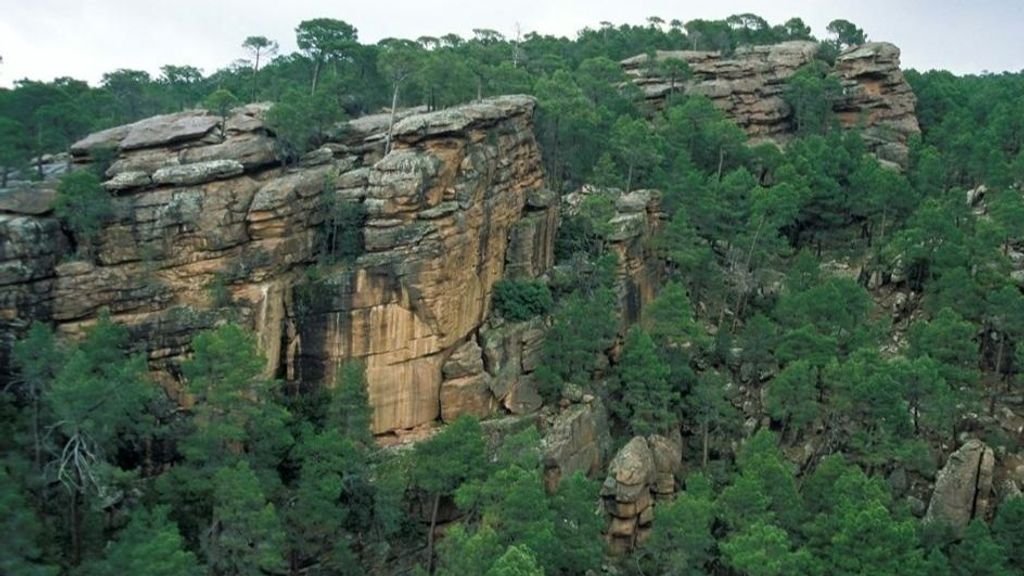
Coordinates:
<point>251,150</point>
<point>28,201</point>
<point>963,487</point>
<point>578,441</point>
<point>198,173</point>
<point>466,360</point>
<point>531,250</point>
<point>127,181</point>
<point>441,209</point>
<point>466,395</point>
<point>626,491</point>
<point>749,86</point>
<point>169,129</point>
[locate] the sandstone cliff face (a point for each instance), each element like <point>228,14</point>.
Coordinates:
<point>209,228</point>
<point>749,87</point>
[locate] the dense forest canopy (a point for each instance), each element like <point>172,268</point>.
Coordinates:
<point>810,400</point>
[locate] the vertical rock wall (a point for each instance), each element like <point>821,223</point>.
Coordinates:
<point>209,228</point>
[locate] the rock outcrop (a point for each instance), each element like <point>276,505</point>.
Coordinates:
<point>963,487</point>
<point>633,227</point>
<point>749,87</point>
<point>877,97</point>
<point>210,228</point>
<point>578,440</point>
<point>642,472</point>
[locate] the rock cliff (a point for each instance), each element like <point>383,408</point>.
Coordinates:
<point>210,228</point>
<point>749,88</point>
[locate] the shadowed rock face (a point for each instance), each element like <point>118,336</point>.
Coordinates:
<point>749,88</point>
<point>963,487</point>
<point>209,228</point>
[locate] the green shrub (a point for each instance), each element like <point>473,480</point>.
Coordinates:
<point>83,206</point>
<point>341,235</point>
<point>519,300</point>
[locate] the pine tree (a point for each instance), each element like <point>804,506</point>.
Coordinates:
<point>516,561</point>
<point>441,464</point>
<point>350,403</point>
<point>245,537</point>
<point>647,402</point>
<point>150,544</point>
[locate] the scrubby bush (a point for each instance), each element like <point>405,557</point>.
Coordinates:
<point>519,300</point>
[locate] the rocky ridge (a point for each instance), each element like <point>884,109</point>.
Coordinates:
<point>749,88</point>
<point>210,228</point>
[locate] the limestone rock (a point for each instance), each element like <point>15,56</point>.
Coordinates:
<point>197,173</point>
<point>168,129</point>
<point>632,466</point>
<point>632,474</point>
<point>250,150</point>
<point>577,441</point>
<point>127,181</point>
<point>963,487</point>
<point>466,395</point>
<point>29,201</point>
<point>749,86</point>
<point>668,461</point>
<point>108,138</point>
<point>459,118</point>
<point>878,96</point>
<point>467,360</point>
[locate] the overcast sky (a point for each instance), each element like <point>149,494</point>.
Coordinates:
<point>43,39</point>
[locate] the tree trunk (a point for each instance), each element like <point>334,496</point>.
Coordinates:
<point>741,298</point>
<point>316,77</point>
<point>721,160</point>
<point>629,178</point>
<point>705,440</point>
<point>994,392</point>
<point>255,71</point>
<point>76,530</point>
<point>391,122</point>
<point>430,536</point>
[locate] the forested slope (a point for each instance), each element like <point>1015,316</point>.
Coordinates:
<point>827,379</point>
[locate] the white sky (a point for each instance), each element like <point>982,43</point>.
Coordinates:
<point>43,39</point>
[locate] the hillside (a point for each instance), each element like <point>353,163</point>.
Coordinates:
<point>705,298</point>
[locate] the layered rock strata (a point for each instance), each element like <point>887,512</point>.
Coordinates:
<point>210,228</point>
<point>749,88</point>
<point>641,473</point>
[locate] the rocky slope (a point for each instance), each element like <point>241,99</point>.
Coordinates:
<point>210,228</point>
<point>749,87</point>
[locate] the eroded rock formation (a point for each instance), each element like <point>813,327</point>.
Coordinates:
<point>749,87</point>
<point>210,228</point>
<point>642,472</point>
<point>963,487</point>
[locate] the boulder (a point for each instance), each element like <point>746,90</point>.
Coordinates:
<point>30,201</point>
<point>577,441</point>
<point>169,129</point>
<point>466,395</point>
<point>963,487</point>
<point>198,173</point>
<point>250,150</point>
<point>127,180</point>
<point>466,360</point>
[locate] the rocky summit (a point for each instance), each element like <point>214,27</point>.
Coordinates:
<point>749,86</point>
